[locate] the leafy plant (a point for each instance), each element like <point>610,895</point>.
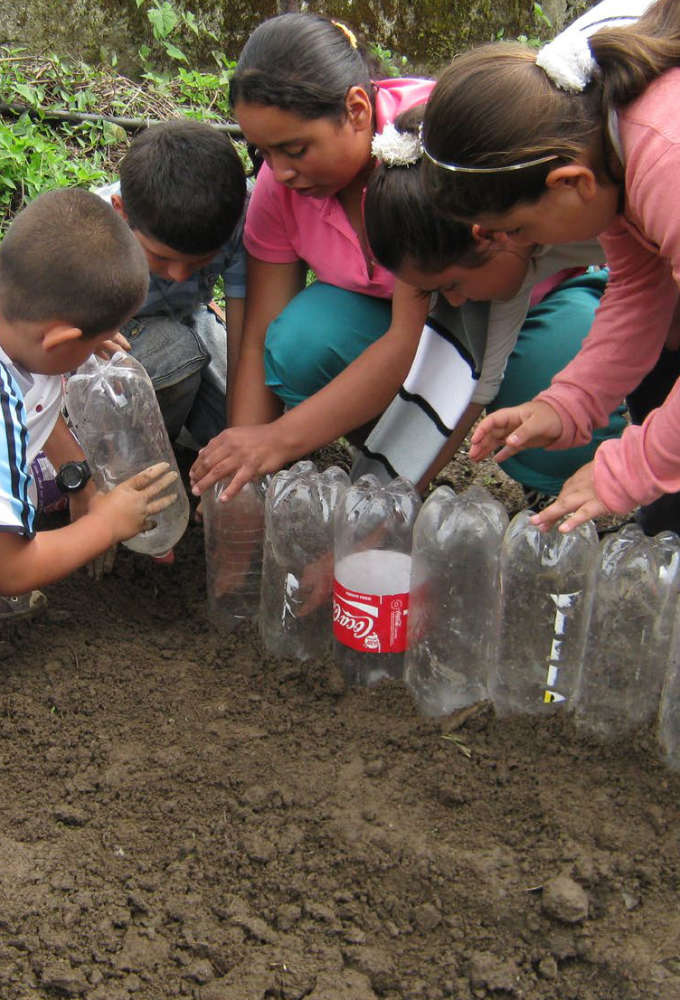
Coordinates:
<point>38,152</point>
<point>391,63</point>
<point>541,22</point>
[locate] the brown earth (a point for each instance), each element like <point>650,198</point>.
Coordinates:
<point>183,816</point>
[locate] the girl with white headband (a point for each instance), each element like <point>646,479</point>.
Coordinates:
<point>502,321</point>
<point>580,141</point>
<point>316,361</point>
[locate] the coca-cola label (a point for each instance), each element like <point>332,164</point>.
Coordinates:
<point>371,623</point>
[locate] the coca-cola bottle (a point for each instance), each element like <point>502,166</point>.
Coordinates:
<point>296,609</point>
<point>630,634</point>
<point>454,599</point>
<point>116,418</point>
<point>373,528</point>
<point>546,592</point>
<point>233,533</point>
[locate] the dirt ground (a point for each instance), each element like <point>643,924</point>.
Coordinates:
<point>183,816</point>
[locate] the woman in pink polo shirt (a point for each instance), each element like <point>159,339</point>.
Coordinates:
<point>316,361</point>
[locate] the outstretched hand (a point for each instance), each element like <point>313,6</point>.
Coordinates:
<point>577,498</point>
<point>241,453</point>
<point>531,425</point>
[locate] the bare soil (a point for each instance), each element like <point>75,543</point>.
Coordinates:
<point>184,816</point>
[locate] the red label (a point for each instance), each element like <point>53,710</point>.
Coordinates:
<point>371,623</point>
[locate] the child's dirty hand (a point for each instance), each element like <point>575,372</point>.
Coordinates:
<point>130,507</point>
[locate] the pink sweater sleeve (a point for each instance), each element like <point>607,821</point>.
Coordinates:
<point>645,462</point>
<point>630,328</point>
<point>638,313</point>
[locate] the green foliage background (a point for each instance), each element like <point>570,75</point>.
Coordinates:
<point>39,150</point>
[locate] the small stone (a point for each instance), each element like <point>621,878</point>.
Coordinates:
<point>201,972</point>
<point>565,900</point>
<point>488,972</point>
<point>60,977</point>
<point>374,768</point>
<point>256,797</point>
<point>258,849</point>
<point>70,815</point>
<point>427,917</point>
<point>319,911</point>
<point>287,915</point>
<point>377,966</point>
<point>547,968</point>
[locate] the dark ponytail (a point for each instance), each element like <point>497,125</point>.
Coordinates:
<point>301,63</point>
<point>403,225</point>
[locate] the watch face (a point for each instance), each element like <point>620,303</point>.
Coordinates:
<point>72,475</point>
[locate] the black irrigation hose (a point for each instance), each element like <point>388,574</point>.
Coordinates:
<point>129,124</point>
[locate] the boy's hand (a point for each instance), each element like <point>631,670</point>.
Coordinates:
<point>109,347</point>
<point>78,505</point>
<point>532,425</point>
<point>244,452</point>
<point>578,498</point>
<point>129,508</point>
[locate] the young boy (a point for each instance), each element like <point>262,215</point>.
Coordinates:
<point>70,273</point>
<point>182,190</point>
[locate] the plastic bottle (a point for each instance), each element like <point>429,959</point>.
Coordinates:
<point>454,599</point>
<point>546,594</point>
<point>298,560</point>
<point>666,545</point>
<point>373,526</point>
<point>233,533</point>
<point>668,729</point>
<point>115,414</point>
<point>630,635</point>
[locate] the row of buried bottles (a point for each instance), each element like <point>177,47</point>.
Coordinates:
<point>450,596</point>
<point>445,594</point>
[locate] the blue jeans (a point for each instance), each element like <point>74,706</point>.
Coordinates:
<point>186,362</point>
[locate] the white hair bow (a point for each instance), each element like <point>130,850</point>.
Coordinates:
<point>395,148</point>
<point>568,61</point>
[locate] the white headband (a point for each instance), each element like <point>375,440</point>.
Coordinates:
<point>395,148</point>
<point>568,61</point>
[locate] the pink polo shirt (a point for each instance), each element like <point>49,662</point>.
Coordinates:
<point>283,226</point>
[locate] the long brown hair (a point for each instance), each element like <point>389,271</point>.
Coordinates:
<point>494,107</point>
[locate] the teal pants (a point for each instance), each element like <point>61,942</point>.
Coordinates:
<point>324,328</point>
<point>551,336</point>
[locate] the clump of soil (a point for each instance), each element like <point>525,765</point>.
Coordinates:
<point>184,816</point>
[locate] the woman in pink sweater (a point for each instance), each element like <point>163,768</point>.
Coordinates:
<point>582,140</point>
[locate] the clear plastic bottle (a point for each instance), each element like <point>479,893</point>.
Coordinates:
<point>546,595</point>
<point>666,546</point>
<point>116,418</point>
<point>454,599</point>
<point>233,534</point>
<point>668,729</point>
<point>373,528</point>
<point>298,560</point>
<point>630,635</point>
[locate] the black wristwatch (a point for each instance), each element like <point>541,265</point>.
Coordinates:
<point>73,476</point>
